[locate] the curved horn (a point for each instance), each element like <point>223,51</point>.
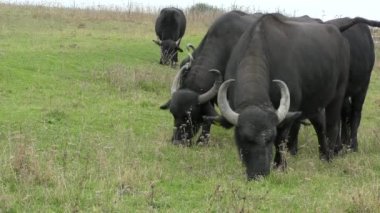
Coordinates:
<point>213,91</point>
<point>178,41</point>
<point>177,78</point>
<point>158,41</point>
<point>283,109</point>
<point>224,106</point>
<point>191,59</point>
<point>190,49</point>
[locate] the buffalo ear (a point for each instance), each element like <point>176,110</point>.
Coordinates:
<point>166,105</point>
<point>157,42</point>
<point>290,118</point>
<point>212,119</point>
<point>218,120</point>
<point>179,49</point>
<point>209,113</point>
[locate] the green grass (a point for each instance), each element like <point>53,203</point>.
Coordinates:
<point>81,129</point>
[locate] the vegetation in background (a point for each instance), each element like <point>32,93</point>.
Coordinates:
<point>81,129</point>
<point>203,8</point>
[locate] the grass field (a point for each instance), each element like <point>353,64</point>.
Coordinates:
<point>81,129</point>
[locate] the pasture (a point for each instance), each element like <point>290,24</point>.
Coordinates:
<point>81,129</point>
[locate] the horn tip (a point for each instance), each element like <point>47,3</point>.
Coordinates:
<point>215,71</point>
<point>280,82</point>
<point>277,80</point>
<point>229,81</point>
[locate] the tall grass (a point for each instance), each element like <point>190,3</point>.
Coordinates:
<point>81,129</point>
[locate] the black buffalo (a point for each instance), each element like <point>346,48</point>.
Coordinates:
<point>310,63</point>
<point>195,79</point>
<point>362,57</point>
<point>361,64</point>
<point>170,28</point>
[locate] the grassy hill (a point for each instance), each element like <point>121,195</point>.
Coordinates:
<point>81,129</point>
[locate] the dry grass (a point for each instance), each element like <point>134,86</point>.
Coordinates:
<point>196,21</point>
<point>29,166</point>
<point>130,13</point>
<point>133,79</point>
<point>364,200</point>
<point>133,15</point>
<point>376,35</point>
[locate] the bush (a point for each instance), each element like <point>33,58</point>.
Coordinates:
<point>203,8</point>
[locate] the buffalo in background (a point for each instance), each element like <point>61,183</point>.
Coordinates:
<point>362,58</point>
<point>170,28</point>
<point>362,61</point>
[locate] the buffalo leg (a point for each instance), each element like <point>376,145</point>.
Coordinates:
<point>174,60</point>
<point>205,133</point>
<point>319,123</point>
<point>209,111</point>
<point>280,148</point>
<point>293,138</point>
<point>356,113</point>
<point>345,122</point>
<point>333,118</point>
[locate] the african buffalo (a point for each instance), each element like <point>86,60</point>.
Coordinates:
<point>362,61</point>
<point>170,28</point>
<point>195,79</point>
<point>310,63</point>
<point>362,57</point>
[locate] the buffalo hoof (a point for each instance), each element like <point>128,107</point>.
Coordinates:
<point>200,143</point>
<point>280,166</point>
<point>338,149</point>
<point>326,156</point>
<point>293,151</point>
<point>346,149</point>
<point>346,141</point>
<point>203,140</point>
<point>354,148</point>
<point>256,178</point>
<point>174,65</point>
<point>354,145</point>
<point>181,142</point>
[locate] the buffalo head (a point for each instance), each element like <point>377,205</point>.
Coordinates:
<point>189,107</point>
<point>169,49</point>
<point>255,130</point>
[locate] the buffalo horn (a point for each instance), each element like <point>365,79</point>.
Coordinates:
<point>191,59</point>
<point>177,79</point>
<point>283,109</point>
<point>178,41</point>
<point>213,91</point>
<point>224,106</point>
<point>158,41</point>
<point>190,48</point>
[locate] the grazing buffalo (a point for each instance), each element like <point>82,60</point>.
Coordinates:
<point>362,57</point>
<point>194,78</point>
<point>362,60</point>
<point>170,28</point>
<point>310,63</point>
